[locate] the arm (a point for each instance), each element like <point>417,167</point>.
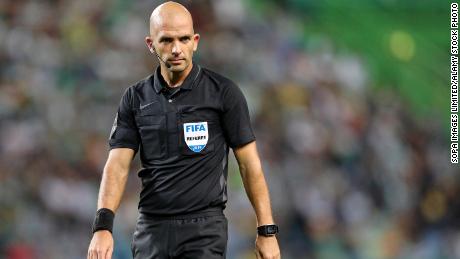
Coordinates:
<point>112,187</point>
<point>257,191</point>
<point>114,178</point>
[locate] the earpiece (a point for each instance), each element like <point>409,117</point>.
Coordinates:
<point>158,56</point>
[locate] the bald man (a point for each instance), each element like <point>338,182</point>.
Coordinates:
<point>182,120</point>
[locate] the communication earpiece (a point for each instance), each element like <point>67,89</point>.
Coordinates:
<point>152,50</point>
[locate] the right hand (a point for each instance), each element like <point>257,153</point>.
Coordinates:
<point>101,246</point>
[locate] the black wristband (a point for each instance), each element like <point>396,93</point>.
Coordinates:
<point>267,230</point>
<point>103,220</point>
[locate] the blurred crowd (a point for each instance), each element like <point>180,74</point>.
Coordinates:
<point>352,172</point>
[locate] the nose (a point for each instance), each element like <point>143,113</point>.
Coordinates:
<point>176,50</point>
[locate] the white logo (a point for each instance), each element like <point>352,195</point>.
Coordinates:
<point>145,105</point>
<point>196,135</point>
<point>114,127</point>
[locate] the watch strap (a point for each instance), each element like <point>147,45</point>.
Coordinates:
<point>267,230</point>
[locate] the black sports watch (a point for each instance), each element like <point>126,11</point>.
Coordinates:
<point>267,230</point>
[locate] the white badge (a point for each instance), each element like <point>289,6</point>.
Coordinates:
<point>196,135</point>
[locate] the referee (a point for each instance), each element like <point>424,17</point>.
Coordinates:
<point>182,120</point>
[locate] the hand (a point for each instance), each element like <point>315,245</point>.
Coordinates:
<point>267,248</point>
<point>101,246</point>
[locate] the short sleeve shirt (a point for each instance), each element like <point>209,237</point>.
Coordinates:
<point>183,138</point>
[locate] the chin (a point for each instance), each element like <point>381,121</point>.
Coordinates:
<point>178,68</point>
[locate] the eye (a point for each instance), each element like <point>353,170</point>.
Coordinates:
<point>185,39</point>
<point>166,40</point>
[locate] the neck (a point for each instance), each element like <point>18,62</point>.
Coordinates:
<point>175,79</point>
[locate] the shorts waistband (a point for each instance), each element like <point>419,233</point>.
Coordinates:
<point>201,213</point>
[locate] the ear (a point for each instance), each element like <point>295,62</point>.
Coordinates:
<point>149,42</point>
<point>196,40</point>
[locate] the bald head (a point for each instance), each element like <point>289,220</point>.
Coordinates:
<point>170,15</point>
<point>172,38</point>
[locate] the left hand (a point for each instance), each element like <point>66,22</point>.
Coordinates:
<point>267,248</point>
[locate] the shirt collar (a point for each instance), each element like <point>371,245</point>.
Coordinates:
<point>159,83</point>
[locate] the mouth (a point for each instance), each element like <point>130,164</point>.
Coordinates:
<point>176,61</point>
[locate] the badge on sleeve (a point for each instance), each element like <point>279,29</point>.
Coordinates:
<point>196,135</point>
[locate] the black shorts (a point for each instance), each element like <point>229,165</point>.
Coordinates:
<point>199,235</point>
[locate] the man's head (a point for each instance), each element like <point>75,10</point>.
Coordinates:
<point>172,36</point>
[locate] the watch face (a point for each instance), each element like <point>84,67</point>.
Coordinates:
<point>267,230</point>
<point>271,230</point>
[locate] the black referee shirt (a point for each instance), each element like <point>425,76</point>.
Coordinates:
<point>183,134</point>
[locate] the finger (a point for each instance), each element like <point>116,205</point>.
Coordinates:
<point>258,254</point>
<point>108,255</point>
<point>101,254</point>
<point>92,254</point>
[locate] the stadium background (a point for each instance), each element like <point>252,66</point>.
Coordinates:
<point>349,101</point>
